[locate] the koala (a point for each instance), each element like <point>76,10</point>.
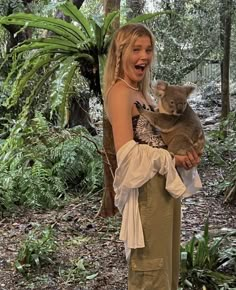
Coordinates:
<point>179,125</point>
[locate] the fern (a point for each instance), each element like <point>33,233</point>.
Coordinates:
<point>40,165</point>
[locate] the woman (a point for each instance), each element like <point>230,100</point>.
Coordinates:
<point>155,243</point>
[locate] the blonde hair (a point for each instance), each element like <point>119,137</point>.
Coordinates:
<point>120,48</point>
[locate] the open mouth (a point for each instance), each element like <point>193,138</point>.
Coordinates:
<point>140,67</point>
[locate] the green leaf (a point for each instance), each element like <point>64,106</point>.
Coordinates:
<point>46,43</point>
<point>201,253</point>
<point>71,10</point>
<point>19,267</point>
<point>64,107</point>
<point>38,86</point>
<point>58,26</point>
<point>108,21</point>
<point>145,17</point>
<point>61,86</point>
<point>35,258</point>
<point>91,277</point>
<point>80,265</point>
<point>98,35</point>
<point>25,73</point>
<point>183,260</point>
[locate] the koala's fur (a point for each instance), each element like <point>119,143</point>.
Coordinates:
<point>179,125</point>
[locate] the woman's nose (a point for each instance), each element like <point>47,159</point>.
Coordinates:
<point>144,55</point>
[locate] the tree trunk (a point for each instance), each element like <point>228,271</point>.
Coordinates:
<point>109,159</point>
<point>136,6</point>
<point>226,17</point>
<point>108,208</point>
<point>111,5</point>
<point>79,113</point>
<point>225,67</point>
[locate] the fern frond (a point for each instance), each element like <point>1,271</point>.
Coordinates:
<point>60,88</point>
<point>71,10</point>
<point>25,73</point>
<point>58,26</point>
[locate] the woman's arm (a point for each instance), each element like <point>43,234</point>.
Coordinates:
<point>119,111</point>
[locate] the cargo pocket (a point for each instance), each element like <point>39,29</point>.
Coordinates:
<point>149,274</point>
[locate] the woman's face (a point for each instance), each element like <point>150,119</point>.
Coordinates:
<point>137,60</point>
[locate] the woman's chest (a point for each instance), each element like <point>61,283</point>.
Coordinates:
<point>138,97</point>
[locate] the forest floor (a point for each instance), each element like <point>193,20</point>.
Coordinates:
<point>90,255</point>
<point>94,241</point>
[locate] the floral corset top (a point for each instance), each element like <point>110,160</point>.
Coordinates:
<point>145,133</point>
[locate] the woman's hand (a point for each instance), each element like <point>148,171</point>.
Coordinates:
<point>187,161</point>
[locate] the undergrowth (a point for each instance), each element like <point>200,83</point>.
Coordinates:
<point>221,150</point>
<point>40,165</point>
<point>205,259</point>
<point>36,250</point>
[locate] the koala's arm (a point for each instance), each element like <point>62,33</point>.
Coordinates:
<point>165,123</point>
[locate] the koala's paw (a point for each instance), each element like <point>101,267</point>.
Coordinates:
<point>140,107</point>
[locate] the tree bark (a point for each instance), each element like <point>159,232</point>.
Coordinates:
<point>108,208</point>
<point>111,5</point>
<point>78,3</point>
<point>226,23</point>
<point>79,113</point>
<point>226,18</point>
<point>136,6</point>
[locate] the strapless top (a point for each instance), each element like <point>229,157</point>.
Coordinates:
<point>145,133</point>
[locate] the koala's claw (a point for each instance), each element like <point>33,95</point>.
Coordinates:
<point>139,106</point>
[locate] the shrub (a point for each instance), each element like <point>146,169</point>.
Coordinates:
<point>201,261</point>
<point>40,164</point>
<point>37,250</point>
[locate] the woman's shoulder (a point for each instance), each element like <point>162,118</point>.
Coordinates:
<point>119,94</point>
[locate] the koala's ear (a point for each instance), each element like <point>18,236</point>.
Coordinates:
<point>160,88</point>
<point>189,89</point>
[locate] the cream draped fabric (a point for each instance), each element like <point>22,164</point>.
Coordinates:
<point>138,163</point>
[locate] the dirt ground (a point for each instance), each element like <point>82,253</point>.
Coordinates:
<point>94,241</point>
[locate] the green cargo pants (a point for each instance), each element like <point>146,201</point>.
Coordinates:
<point>156,267</point>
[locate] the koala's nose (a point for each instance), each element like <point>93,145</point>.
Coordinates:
<point>180,108</point>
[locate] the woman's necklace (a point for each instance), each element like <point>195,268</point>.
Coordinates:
<point>133,88</point>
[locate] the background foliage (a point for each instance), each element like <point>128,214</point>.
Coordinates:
<point>42,74</point>
<point>40,164</point>
<point>47,63</point>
